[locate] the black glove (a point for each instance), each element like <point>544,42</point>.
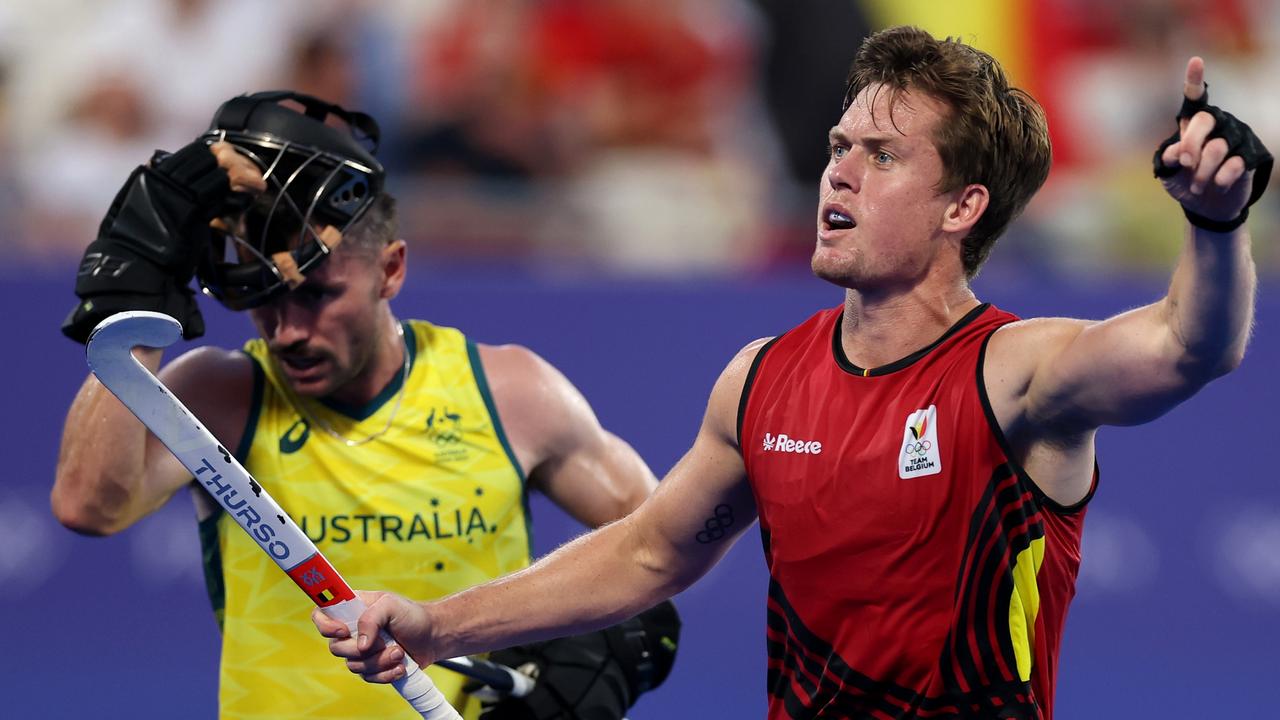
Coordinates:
<point>1240,141</point>
<point>593,676</point>
<point>149,242</point>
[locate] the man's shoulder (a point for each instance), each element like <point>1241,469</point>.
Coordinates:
<point>209,365</point>
<point>216,384</point>
<point>745,360</point>
<point>511,361</point>
<point>523,385</point>
<point>1028,337</point>
<point>1021,351</point>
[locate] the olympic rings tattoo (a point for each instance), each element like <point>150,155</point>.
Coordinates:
<point>715,525</point>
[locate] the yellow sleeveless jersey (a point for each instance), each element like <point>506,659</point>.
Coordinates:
<point>435,504</point>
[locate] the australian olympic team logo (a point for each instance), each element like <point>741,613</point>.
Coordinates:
<point>444,426</point>
<point>920,454</point>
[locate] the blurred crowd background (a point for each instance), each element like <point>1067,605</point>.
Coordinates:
<point>651,137</point>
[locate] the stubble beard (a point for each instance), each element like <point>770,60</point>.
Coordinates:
<point>362,355</point>
<point>331,381</point>
<point>843,270</point>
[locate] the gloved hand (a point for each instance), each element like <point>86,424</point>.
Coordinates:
<point>1203,124</point>
<point>149,242</point>
<point>593,676</point>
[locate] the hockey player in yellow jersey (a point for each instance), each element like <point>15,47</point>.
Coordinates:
<point>403,449</point>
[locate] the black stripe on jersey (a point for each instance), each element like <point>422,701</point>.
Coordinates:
<point>1006,448</point>
<point>746,385</point>
<point>1004,523</point>
<point>1009,514</point>
<point>842,692</point>
<point>842,360</point>
<point>824,679</point>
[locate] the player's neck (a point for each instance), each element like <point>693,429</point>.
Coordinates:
<point>878,330</point>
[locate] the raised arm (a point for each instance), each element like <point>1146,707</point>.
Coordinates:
<point>111,470</point>
<point>589,472</point>
<point>594,581</point>
<point>1056,380</point>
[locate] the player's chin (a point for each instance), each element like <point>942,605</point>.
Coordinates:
<point>314,386</point>
<point>311,379</point>
<point>832,265</point>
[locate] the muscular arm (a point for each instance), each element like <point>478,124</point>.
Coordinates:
<point>111,471</point>
<point>592,474</point>
<point>598,579</point>
<point>1138,365</point>
<point>1054,381</point>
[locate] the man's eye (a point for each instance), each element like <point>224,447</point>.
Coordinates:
<point>883,158</point>
<point>838,151</point>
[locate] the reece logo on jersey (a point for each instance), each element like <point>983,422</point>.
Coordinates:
<point>919,455</point>
<point>782,443</point>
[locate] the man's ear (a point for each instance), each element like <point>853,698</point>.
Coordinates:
<point>391,260</point>
<point>966,208</point>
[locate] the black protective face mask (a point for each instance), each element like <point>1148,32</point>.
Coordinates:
<point>317,175</point>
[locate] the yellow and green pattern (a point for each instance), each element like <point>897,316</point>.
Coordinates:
<point>434,505</point>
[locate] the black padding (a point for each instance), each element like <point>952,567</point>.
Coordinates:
<point>149,242</point>
<point>1241,142</point>
<point>592,676</point>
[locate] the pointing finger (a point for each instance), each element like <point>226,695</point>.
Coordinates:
<point>1193,88</point>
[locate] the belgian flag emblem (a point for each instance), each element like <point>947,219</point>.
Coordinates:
<point>320,581</point>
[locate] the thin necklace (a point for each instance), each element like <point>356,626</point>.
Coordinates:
<point>315,420</point>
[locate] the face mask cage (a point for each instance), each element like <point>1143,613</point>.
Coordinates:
<point>269,249</point>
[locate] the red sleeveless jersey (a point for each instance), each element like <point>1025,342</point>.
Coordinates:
<point>916,571</point>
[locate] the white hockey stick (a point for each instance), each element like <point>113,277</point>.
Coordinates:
<point>111,359</point>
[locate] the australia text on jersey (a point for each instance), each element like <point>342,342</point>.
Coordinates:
<point>433,525</point>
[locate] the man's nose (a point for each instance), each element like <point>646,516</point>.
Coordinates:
<point>842,174</point>
<point>286,323</point>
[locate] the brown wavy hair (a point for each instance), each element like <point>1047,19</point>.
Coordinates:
<point>996,135</point>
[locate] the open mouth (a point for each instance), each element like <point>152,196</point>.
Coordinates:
<point>837,220</point>
<point>300,362</point>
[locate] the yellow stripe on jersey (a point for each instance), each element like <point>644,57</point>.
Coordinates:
<point>434,505</point>
<point>1024,605</point>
